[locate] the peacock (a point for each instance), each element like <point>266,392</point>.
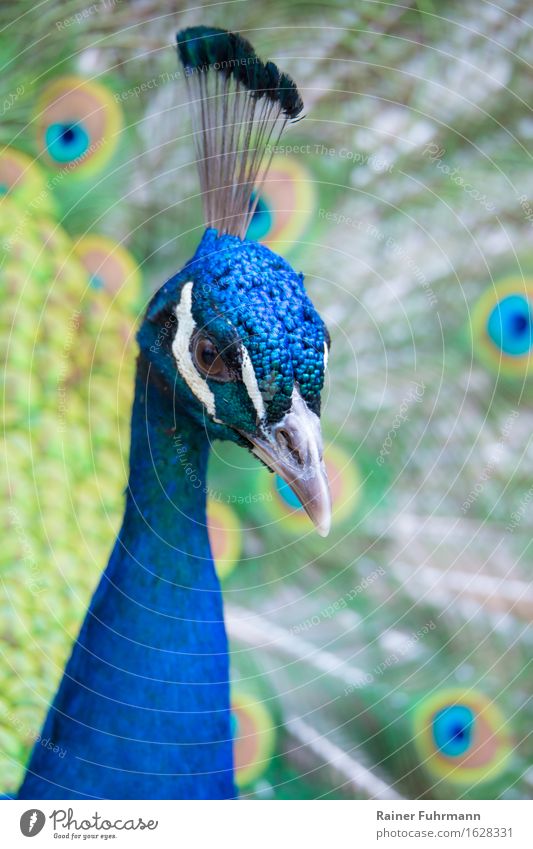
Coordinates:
<point>231,348</point>
<point>392,659</point>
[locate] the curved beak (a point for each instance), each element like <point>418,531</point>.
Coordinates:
<point>293,449</point>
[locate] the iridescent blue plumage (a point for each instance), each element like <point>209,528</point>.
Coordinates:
<point>250,294</point>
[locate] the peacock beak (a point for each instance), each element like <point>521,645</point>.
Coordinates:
<point>293,449</point>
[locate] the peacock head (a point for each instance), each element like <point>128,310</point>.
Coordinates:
<point>234,335</point>
<point>236,339</point>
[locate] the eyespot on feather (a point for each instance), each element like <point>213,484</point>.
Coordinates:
<point>22,179</point>
<point>461,735</point>
<point>225,537</point>
<point>501,328</point>
<point>78,125</point>
<point>284,205</point>
<point>254,736</point>
<point>111,268</point>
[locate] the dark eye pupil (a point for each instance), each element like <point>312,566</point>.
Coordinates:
<point>68,134</point>
<point>209,360</point>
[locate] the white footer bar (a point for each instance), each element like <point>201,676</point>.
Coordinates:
<point>263,824</point>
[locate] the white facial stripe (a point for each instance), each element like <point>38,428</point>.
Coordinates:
<point>326,355</point>
<point>180,348</point>
<point>250,381</point>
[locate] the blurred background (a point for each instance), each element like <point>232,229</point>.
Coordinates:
<point>392,659</point>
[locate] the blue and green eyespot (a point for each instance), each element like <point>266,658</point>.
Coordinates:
<point>453,728</point>
<point>502,328</point>
<point>261,222</point>
<point>78,123</point>
<point>67,141</point>
<point>509,325</point>
<point>287,495</point>
<point>461,735</point>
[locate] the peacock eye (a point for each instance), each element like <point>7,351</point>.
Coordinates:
<point>208,360</point>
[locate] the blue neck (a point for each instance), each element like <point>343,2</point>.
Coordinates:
<point>143,708</point>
